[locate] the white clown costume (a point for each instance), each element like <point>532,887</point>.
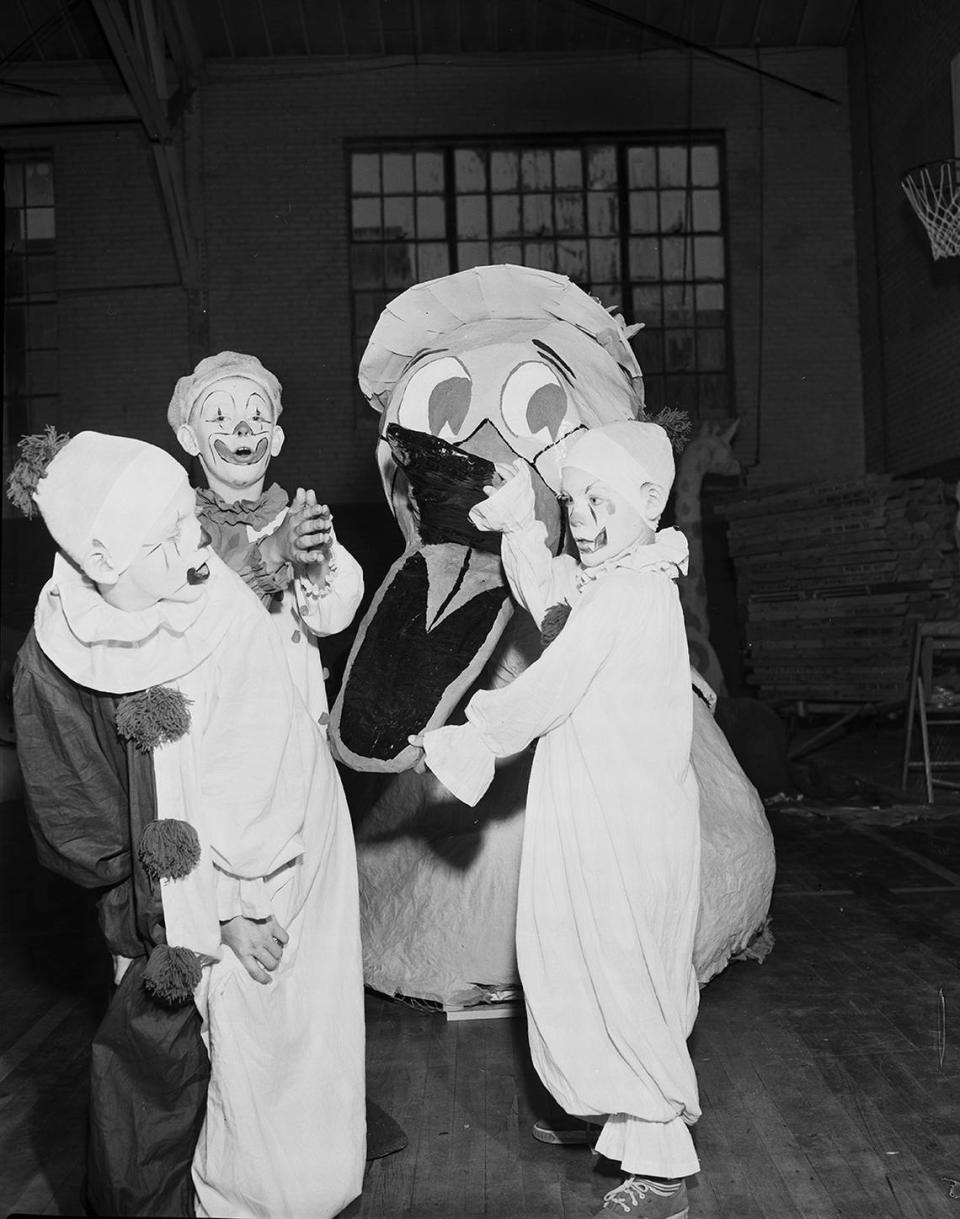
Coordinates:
<point>283,1133</point>
<point>610,867</point>
<point>301,611</point>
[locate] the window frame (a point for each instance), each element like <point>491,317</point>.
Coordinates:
<point>656,373</point>
<point>27,407</point>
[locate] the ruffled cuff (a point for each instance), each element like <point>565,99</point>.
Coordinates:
<point>238,897</point>
<point>309,592</point>
<point>461,761</point>
<point>511,507</point>
<point>325,614</point>
<point>264,579</point>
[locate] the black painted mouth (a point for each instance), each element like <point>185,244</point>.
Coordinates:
<point>445,483</point>
<point>198,575</point>
<point>592,545</point>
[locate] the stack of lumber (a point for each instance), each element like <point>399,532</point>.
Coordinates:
<point>831,579</point>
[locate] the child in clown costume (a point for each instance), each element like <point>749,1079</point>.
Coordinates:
<point>609,875</point>
<point>225,413</point>
<point>168,760</point>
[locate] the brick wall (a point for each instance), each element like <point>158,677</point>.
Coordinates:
<point>121,310</point>
<point>910,303</point>
<point>267,148</point>
<point>276,224</point>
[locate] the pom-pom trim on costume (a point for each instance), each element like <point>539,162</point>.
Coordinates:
<point>36,453</point>
<point>169,849</point>
<point>553,622</point>
<point>152,717</point>
<point>172,974</point>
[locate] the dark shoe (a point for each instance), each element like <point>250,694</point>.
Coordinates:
<point>642,1198</point>
<point>567,1133</point>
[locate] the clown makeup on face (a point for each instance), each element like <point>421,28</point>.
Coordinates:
<point>234,432</point>
<point>171,563</point>
<point>602,522</point>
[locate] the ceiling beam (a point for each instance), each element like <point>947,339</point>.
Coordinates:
<point>173,188</point>
<point>303,27</point>
<point>151,44</point>
<point>139,50</point>
<point>183,43</point>
<point>70,28</point>
<point>802,24</point>
<point>757,23</point>
<point>130,61</point>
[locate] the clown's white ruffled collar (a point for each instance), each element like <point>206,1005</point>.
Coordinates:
<point>118,651</point>
<point>668,553</point>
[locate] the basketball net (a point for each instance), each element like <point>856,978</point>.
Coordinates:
<point>934,193</point>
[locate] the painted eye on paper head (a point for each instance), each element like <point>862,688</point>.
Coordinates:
<point>436,399</point>
<point>533,402</point>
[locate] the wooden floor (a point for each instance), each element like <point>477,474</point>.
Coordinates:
<point>829,1075</point>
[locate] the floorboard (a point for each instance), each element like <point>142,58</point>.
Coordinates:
<point>829,1075</point>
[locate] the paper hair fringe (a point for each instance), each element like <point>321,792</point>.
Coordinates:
<point>677,424</point>
<point>36,453</point>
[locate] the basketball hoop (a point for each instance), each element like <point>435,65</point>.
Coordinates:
<point>934,193</point>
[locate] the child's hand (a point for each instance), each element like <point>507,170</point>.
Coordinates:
<point>504,471</point>
<point>420,765</point>
<point>311,528</point>
<point>257,944</point>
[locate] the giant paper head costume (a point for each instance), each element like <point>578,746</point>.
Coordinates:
<point>497,363</point>
<point>485,366</point>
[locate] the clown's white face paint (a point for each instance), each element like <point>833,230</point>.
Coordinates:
<point>171,564</point>
<point>236,434</point>
<point>602,523</point>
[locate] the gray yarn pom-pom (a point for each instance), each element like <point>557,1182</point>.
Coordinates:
<point>169,849</point>
<point>152,717</point>
<point>172,974</point>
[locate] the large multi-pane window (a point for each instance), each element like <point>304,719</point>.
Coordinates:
<point>638,223</point>
<point>30,354</point>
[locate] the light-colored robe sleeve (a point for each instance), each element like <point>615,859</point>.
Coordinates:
<point>241,802</point>
<point>503,722</point>
<point>329,609</point>
<point>537,579</point>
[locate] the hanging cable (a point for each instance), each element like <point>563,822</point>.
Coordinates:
<point>669,36</point>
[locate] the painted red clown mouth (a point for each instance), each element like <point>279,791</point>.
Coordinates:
<point>244,454</point>
<point>198,575</point>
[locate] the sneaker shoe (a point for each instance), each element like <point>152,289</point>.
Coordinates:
<point>568,1133</point>
<point>645,1199</point>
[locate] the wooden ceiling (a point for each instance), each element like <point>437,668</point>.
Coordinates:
<point>58,31</point>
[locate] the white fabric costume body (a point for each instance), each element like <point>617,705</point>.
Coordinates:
<point>610,868</point>
<point>306,613</point>
<point>284,1132</point>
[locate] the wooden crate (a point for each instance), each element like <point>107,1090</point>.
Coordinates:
<point>831,579</point>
